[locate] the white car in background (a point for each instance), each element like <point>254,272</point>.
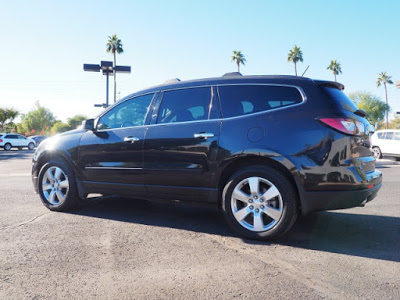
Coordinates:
<point>386,142</point>
<point>14,140</point>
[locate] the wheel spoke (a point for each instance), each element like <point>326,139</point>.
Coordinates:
<point>64,184</point>
<point>240,195</point>
<point>52,197</point>
<point>271,193</point>
<point>241,214</point>
<point>254,185</point>
<point>58,173</point>
<point>60,196</point>
<point>50,175</point>
<point>272,212</point>
<point>258,222</point>
<point>46,186</point>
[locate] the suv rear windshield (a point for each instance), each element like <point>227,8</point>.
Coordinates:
<point>340,98</point>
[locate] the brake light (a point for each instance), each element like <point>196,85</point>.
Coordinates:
<point>347,126</point>
<point>1,140</point>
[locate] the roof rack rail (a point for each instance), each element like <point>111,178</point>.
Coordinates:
<point>173,80</point>
<point>232,74</point>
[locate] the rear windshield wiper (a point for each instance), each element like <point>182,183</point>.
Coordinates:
<point>361,113</point>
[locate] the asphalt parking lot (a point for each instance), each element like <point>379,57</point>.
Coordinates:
<point>130,249</point>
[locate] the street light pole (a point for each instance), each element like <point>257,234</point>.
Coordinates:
<point>107,68</point>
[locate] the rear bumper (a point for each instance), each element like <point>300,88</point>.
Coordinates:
<point>331,200</point>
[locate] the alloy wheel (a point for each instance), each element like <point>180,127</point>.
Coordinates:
<point>55,185</point>
<point>256,204</point>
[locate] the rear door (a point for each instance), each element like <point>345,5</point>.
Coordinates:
<point>181,145</point>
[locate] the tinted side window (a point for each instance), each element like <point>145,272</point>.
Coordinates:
<point>21,137</point>
<point>129,113</point>
<point>380,134</point>
<point>239,100</point>
<point>192,104</point>
<point>397,136</point>
<point>389,135</point>
<point>11,136</point>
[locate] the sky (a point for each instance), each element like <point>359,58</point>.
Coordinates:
<point>45,44</point>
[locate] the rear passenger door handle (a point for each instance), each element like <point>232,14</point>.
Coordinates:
<point>203,135</point>
<point>131,139</point>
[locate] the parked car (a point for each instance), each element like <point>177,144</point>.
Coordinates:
<point>14,140</point>
<point>38,139</point>
<point>264,149</point>
<point>386,142</point>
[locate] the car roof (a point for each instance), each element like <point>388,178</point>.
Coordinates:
<point>236,78</point>
<point>230,78</point>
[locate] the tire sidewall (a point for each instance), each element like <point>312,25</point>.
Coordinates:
<point>288,194</point>
<point>31,146</point>
<point>6,145</point>
<point>70,200</point>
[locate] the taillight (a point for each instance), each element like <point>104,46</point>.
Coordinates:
<point>1,140</point>
<point>347,126</point>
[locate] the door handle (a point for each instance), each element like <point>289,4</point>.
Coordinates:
<point>131,139</point>
<point>203,135</point>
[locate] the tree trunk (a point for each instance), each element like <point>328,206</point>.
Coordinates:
<point>238,64</point>
<point>295,68</point>
<point>115,78</point>
<point>387,111</point>
<point>335,77</point>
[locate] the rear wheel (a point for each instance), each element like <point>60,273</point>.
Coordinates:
<point>377,152</point>
<point>260,203</point>
<point>7,147</point>
<point>31,146</point>
<point>57,186</point>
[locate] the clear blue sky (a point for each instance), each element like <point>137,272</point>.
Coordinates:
<point>45,43</point>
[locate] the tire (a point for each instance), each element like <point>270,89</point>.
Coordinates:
<point>258,215</point>
<point>31,146</point>
<point>7,147</point>
<point>377,152</point>
<point>57,186</point>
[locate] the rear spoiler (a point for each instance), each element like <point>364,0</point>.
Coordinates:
<point>331,84</point>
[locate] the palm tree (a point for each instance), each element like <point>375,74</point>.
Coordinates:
<point>294,56</point>
<point>385,79</point>
<point>239,58</point>
<point>114,46</point>
<point>335,68</point>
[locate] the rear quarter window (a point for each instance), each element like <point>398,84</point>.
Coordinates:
<point>238,100</point>
<point>340,98</point>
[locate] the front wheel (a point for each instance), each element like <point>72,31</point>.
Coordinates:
<point>260,203</point>
<point>31,146</point>
<point>57,186</point>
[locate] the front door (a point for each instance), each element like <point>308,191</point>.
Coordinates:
<point>181,146</point>
<point>111,157</point>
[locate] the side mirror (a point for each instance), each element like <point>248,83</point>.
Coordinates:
<point>88,124</point>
